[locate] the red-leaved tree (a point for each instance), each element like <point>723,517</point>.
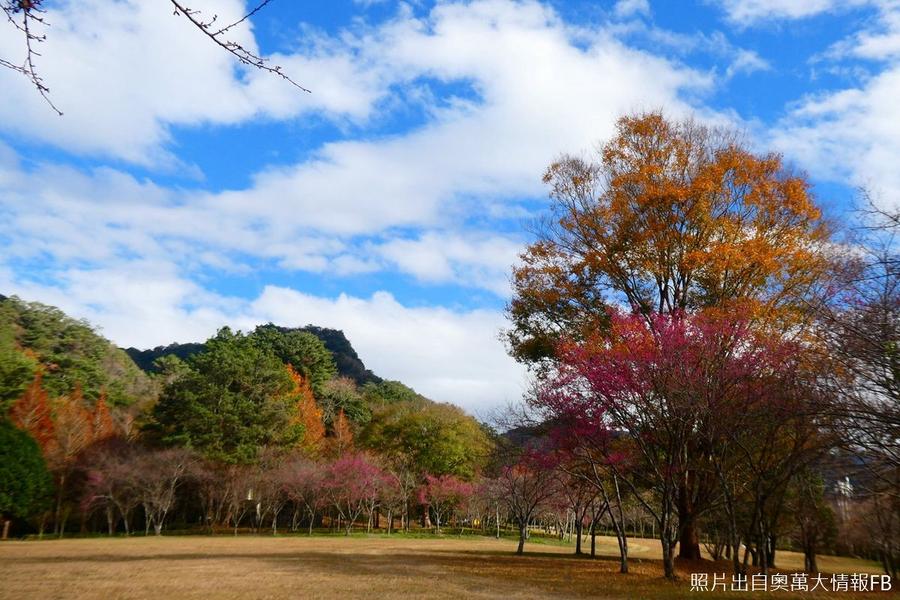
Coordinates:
<point>678,390</point>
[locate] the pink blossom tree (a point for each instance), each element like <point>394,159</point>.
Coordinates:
<point>442,495</point>
<point>304,485</point>
<point>353,483</point>
<point>527,484</point>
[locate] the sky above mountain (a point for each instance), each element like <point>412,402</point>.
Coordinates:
<point>181,192</point>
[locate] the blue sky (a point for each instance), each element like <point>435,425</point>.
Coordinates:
<point>181,192</point>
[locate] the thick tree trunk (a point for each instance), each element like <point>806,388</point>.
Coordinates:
<point>809,558</point>
<point>689,538</point>
<point>523,534</point>
<point>623,552</point>
<point>6,523</point>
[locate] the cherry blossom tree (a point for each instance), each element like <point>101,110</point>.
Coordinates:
<point>442,495</point>
<point>353,483</point>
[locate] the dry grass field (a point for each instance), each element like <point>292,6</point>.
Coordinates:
<point>256,568</point>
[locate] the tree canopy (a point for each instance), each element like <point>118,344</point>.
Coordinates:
<point>670,216</point>
<point>230,400</point>
<point>434,438</point>
<point>302,350</point>
<point>25,483</point>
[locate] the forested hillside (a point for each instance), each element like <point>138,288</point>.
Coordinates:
<point>346,359</point>
<point>69,353</point>
<point>239,411</point>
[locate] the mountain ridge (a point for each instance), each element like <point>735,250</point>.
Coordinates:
<point>346,359</point>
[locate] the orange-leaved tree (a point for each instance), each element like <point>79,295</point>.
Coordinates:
<point>341,440</point>
<point>671,215</point>
<point>31,413</point>
<point>309,415</point>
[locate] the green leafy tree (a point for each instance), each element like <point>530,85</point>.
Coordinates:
<point>300,349</point>
<point>378,395</point>
<point>439,439</point>
<point>341,394</point>
<point>25,484</point>
<point>228,401</point>
<point>16,370</point>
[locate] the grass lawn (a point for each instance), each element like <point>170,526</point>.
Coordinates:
<point>259,567</point>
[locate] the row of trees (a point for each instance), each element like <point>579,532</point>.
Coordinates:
<point>241,405</point>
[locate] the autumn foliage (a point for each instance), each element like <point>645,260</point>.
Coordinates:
<point>670,216</point>
<point>309,415</point>
<point>31,413</point>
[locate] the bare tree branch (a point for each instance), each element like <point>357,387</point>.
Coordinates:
<point>244,55</point>
<point>27,16</point>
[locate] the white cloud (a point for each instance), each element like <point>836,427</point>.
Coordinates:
<point>878,40</point>
<point>753,11</point>
<point>746,62</point>
<point>480,260</point>
<point>630,8</point>
<point>540,92</point>
<point>124,72</point>
<point>852,135</point>
<point>849,136</point>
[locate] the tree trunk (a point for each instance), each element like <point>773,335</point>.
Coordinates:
<point>65,518</point>
<point>109,520</point>
<point>57,530</point>
<point>689,539</point>
<point>523,533</point>
<point>809,559</point>
<point>6,523</point>
<point>668,556</point>
<point>593,538</point>
<point>579,526</point>
<point>621,535</point>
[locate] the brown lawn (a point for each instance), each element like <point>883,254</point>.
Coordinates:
<point>250,567</point>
